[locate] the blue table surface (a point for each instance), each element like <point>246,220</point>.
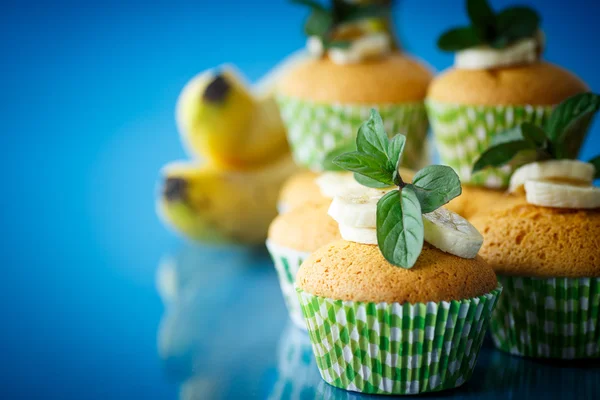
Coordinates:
<point>98,299</point>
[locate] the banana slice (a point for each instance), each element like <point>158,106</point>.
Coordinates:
<point>561,195</point>
<point>358,235</point>
<point>357,210</point>
<point>334,184</point>
<point>451,233</point>
<point>369,46</point>
<point>483,57</point>
<point>338,184</point>
<point>565,170</point>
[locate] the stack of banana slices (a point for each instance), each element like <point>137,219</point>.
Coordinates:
<point>356,213</point>
<point>557,183</point>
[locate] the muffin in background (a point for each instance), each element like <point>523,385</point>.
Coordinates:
<point>324,100</point>
<point>300,188</point>
<point>548,262</point>
<point>497,82</point>
<point>292,237</point>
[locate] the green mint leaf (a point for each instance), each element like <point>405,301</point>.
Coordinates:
<point>368,182</point>
<point>400,227</point>
<point>516,23</point>
<point>509,135</point>
<point>319,23</point>
<point>395,150</point>
<point>366,165</point>
<point>372,139</point>
<point>435,186</point>
<point>569,122</point>
<point>596,163</point>
<point>501,154</point>
<point>459,39</point>
<point>482,19</point>
<point>360,12</point>
<point>329,165</point>
<point>534,134</point>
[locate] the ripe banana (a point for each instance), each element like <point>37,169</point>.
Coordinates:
<point>208,204</point>
<point>560,170</point>
<point>561,195</point>
<point>221,120</point>
<point>451,233</point>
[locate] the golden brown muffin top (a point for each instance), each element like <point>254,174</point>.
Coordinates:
<point>301,188</point>
<point>540,83</point>
<point>527,240</point>
<point>305,228</point>
<point>475,199</point>
<point>392,79</point>
<point>358,272</point>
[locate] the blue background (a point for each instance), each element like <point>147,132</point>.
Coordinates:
<point>87,92</point>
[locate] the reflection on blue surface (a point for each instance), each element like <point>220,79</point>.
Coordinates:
<point>221,323</point>
<point>224,335</point>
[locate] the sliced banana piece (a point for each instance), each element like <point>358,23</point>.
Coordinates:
<point>565,170</point>
<point>483,57</point>
<point>334,184</point>
<point>338,184</point>
<point>561,195</point>
<point>358,235</point>
<point>451,233</point>
<point>357,210</point>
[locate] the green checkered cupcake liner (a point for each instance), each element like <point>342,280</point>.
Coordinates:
<point>315,129</point>
<point>392,348</point>
<point>548,317</point>
<point>463,132</point>
<point>287,262</point>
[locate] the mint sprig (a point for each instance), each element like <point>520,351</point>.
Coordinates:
<point>375,164</point>
<point>561,137</point>
<point>497,30</point>
<point>322,21</point>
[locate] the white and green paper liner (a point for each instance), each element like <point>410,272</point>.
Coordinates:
<point>463,132</point>
<point>287,262</point>
<point>392,348</point>
<point>548,317</point>
<point>316,129</point>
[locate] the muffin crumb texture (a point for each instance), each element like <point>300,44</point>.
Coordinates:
<point>392,79</point>
<point>301,188</point>
<point>305,228</point>
<point>352,271</point>
<point>527,240</point>
<point>474,200</point>
<point>540,83</point>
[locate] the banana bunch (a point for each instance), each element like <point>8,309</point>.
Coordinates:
<point>230,196</point>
